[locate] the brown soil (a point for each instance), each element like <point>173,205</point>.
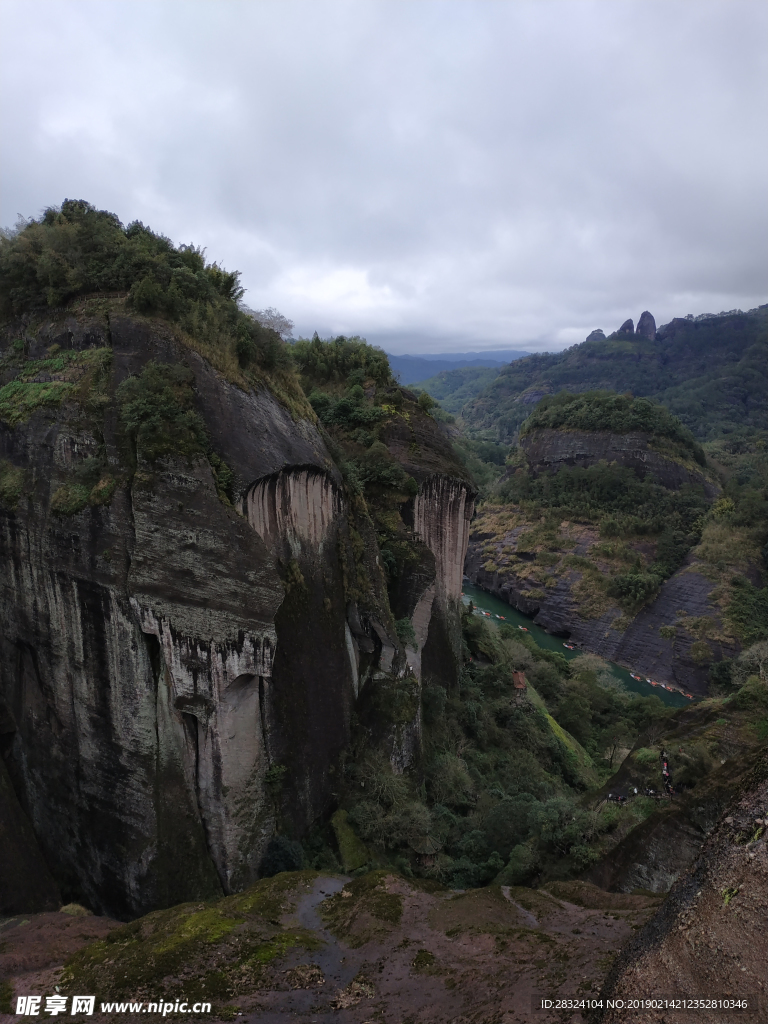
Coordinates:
<point>406,955</point>
<point>478,956</point>
<point>33,948</point>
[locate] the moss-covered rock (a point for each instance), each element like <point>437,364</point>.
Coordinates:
<point>364,909</point>
<point>201,951</point>
<point>353,852</point>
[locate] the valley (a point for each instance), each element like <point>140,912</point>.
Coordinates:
<point>320,701</point>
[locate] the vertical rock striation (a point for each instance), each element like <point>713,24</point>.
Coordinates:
<point>177,673</point>
<point>300,506</point>
<point>442,513</point>
<point>138,641</point>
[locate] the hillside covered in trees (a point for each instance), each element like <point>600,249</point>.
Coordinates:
<point>709,371</point>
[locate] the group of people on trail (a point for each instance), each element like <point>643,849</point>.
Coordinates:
<point>621,798</point>
<point>666,774</point>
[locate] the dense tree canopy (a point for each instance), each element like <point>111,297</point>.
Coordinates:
<point>79,250</point>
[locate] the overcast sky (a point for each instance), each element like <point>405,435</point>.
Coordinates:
<point>432,175</point>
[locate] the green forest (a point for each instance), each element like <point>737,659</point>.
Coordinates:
<point>710,373</point>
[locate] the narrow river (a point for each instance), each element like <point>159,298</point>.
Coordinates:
<point>487,603</point>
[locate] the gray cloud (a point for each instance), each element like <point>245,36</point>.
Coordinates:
<point>477,173</point>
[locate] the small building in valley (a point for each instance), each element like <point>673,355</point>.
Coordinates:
<point>520,687</point>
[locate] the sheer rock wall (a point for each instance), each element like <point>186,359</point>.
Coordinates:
<point>160,653</point>
<point>300,506</point>
<point>138,644</point>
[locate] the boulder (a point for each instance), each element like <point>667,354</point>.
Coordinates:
<point>596,335</point>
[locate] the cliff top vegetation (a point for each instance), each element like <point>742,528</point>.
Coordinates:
<point>77,250</point>
<point>616,414</point>
<point>343,361</point>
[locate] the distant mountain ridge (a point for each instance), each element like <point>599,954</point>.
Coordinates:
<point>708,370</point>
<point>409,369</point>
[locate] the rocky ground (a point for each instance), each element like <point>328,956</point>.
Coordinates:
<point>321,948</point>
<point>34,947</point>
<point>709,939</point>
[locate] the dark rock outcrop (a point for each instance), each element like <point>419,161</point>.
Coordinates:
<point>596,335</point>
<point>180,674</point>
<point>709,934</point>
<point>548,450</point>
<point>26,884</point>
<point>646,326</point>
<point>627,327</point>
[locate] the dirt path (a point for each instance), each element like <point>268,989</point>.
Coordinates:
<point>527,915</point>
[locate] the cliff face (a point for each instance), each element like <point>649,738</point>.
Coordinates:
<point>177,675</point>
<point>686,598</point>
<point>442,514</point>
<point>709,935</point>
<point>564,575</point>
<point>548,450</point>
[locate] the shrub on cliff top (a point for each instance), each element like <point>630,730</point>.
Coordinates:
<point>78,250</point>
<point>342,360</point>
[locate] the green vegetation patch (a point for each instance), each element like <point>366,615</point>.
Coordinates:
<point>157,409</point>
<point>19,399</point>
<point>102,491</point>
<point>78,375</point>
<point>12,480</point>
<point>747,610</point>
<point>425,963</point>
<point>69,499</point>
<point>612,413</point>
<point>90,484</point>
<point>201,951</point>
<point>352,850</point>
<point>646,756</point>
